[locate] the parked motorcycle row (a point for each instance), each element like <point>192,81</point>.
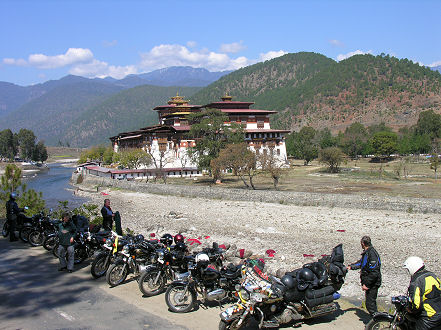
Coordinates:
<point>165,265</point>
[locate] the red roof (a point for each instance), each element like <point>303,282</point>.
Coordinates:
<point>182,128</point>
<point>247,111</point>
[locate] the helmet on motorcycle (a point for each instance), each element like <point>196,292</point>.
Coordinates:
<point>139,238</point>
<point>306,275</point>
<point>180,246</point>
<point>288,281</point>
<point>167,239</point>
<point>413,264</point>
<point>179,238</point>
<point>202,259</point>
<point>13,195</point>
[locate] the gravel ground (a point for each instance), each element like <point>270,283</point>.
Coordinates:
<point>290,230</point>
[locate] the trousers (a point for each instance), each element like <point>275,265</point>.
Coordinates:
<point>371,300</point>
<point>12,220</point>
<point>70,250</point>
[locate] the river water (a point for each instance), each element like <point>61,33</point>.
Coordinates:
<point>55,186</point>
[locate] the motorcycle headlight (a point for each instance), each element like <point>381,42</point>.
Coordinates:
<point>109,242</point>
<point>161,255</point>
<point>244,294</point>
<point>126,249</point>
<point>256,297</point>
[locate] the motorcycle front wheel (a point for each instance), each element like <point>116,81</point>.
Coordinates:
<point>152,282</point>
<point>100,265</point>
<point>116,274</point>
<point>231,325</point>
<point>24,233</point>
<point>36,238</point>
<point>79,255</point>
<point>5,230</point>
<point>49,242</point>
<point>179,299</point>
<point>381,324</point>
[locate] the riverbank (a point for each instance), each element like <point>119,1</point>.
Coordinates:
<point>294,231</point>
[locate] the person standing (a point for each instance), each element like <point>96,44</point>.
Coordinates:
<point>370,273</point>
<point>66,234</point>
<point>12,211</point>
<point>425,295</point>
<point>108,215</point>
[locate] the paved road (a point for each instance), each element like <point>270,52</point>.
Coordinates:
<point>34,295</point>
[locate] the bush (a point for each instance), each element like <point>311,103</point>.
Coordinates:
<point>333,157</point>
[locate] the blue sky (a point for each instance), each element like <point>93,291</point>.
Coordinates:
<point>42,40</point>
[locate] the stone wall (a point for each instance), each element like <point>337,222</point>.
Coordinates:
<point>360,201</point>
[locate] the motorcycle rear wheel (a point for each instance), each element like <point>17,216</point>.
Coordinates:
<point>55,249</point>
<point>49,242</point>
<point>147,283</point>
<point>5,229</point>
<point>380,324</point>
<point>177,302</point>
<point>116,275</point>
<point>36,238</point>
<point>231,326</point>
<point>99,266</point>
<point>24,233</point>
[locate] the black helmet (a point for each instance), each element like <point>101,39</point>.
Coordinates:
<point>139,238</point>
<point>288,281</point>
<point>13,195</point>
<point>306,275</point>
<point>167,239</point>
<point>179,238</point>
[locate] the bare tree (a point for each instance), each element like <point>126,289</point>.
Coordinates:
<point>160,156</point>
<point>270,163</point>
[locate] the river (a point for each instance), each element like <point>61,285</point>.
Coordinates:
<point>55,186</point>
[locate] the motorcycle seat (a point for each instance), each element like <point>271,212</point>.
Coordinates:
<point>231,273</point>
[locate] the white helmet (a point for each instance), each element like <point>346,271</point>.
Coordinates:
<point>413,264</point>
<point>202,258</point>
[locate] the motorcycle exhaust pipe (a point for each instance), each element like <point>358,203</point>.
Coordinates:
<point>218,294</point>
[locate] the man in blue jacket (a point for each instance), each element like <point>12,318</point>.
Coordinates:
<point>66,234</point>
<point>370,273</point>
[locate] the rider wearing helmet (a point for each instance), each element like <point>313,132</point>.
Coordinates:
<point>12,211</point>
<point>167,239</point>
<point>424,293</point>
<point>370,275</point>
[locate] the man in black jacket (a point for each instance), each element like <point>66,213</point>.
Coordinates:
<point>12,211</point>
<point>370,274</point>
<point>425,295</point>
<point>108,215</point>
<point>66,234</point>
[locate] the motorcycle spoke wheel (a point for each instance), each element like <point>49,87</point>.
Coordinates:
<point>5,230</point>
<point>99,266</point>
<point>116,274</point>
<point>24,234</point>
<point>231,326</point>
<point>36,238</point>
<point>179,300</point>
<point>148,284</point>
<point>381,325</point>
<point>49,243</point>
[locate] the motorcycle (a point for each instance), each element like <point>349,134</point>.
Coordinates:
<point>204,280</point>
<point>292,299</point>
<point>43,229</point>
<point>132,259</point>
<point>400,319</point>
<point>166,263</point>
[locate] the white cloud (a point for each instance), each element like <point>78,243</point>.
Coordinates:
<point>102,69</point>
<point>234,47</point>
<point>13,61</point>
<point>191,44</point>
<point>112,43</point>
<point>270,55</point>
<point>337,43</point>
<point>72,56</point>
<point>342,57</point>
<point>437,63</point>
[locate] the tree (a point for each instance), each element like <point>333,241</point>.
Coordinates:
<point>429,123</point>
<point>384,143</point>
<point>303,145</point>
<point>333,157</point>
<point>40,152</point>
<point>435,163</point>
<point>133,158</point>
<point>8,144</point>
<point>354,139</point>
<point>268,162</point>
<point>325,138</point>
<point>26,140</point>
<point>238,158</point>
<point>212,135</point>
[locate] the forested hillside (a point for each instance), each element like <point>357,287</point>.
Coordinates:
<point>311,89</point>
<point>127,110</point>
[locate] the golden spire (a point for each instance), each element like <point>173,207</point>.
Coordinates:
<point>226,97</point>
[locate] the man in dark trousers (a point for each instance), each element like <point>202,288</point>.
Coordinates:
<point>370,274</point>
<point>12,211</point>
<point>66,234</point>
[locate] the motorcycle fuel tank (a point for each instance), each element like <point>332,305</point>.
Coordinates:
<point>218,294</point>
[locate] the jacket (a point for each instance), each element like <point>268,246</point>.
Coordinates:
<point>107,214</point>
<point>12,208</point>
<point>66,232</point>
<point>425,293</point>
<point>370,265</point>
